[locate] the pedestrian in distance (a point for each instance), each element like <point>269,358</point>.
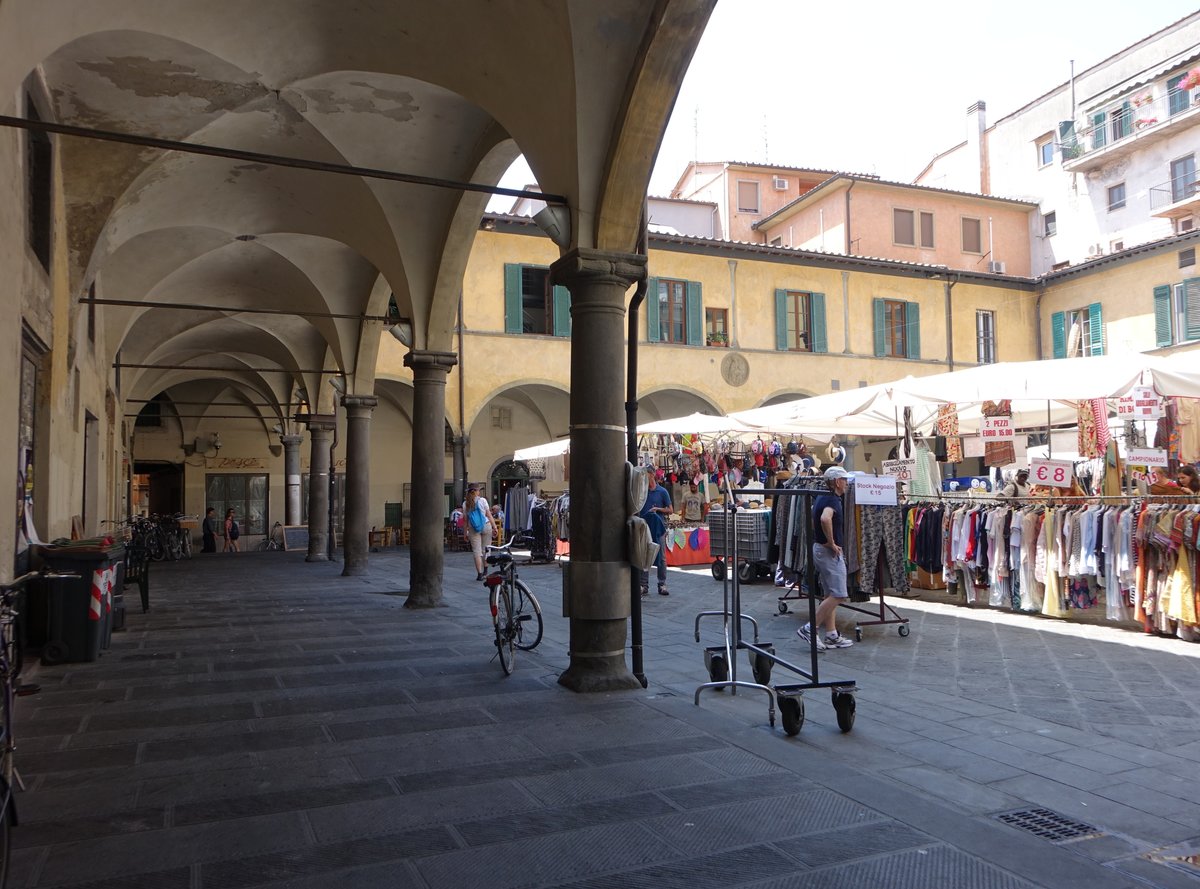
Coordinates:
<point>654,511</point>
<point>830,561</point>
<point>1018,487</point>
<point>478,525</point>
<point>232,532</point>
<point>208,531</point>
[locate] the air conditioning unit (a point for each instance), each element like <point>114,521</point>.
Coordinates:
<point>996,268</point>
<point>780,183</point>
<point>1187,224</point>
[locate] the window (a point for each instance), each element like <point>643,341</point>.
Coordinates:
<point>747,196</point>
<point>532,304</point>
<point>926,230</point>
<point>674,312</point>
<point>39,193</point>
<point>897,328</point>
<point>1177,312</point>
<point>246,493</point>
<point>1120,121</point>
<point>800,321</point>
<point>1045,151</point>
<point>1116,196</point>
<point>1078,332</point>
<point>1183,178</point>
<point>776,242</point>
<point>1050,224</point>
<point>150,416</point>
<point>1187,257</point>
<point>1177,97</point>
<point>904,228</point>
<point>985,337</point>
<point>972,235</point>
<point>1116,246</point>
<point>716,327</point>
<point>1099,139</point>
<point>502,418</point>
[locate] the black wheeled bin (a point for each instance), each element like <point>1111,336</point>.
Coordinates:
<point>74,615</point>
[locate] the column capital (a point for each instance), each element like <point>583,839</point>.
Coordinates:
<point>583,263</point>
<point>360,402</point>
<point>321,423</point>
<point>426,359</point>
<point>293,440</point>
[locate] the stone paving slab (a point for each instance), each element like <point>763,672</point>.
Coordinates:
<point>269,723</point>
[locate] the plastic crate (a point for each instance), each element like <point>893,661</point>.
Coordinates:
<point>752,530</point>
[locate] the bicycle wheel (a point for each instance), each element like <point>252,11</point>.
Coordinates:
<point>506,633</point>
<point>154,546</point>
<point>7,819</point>
<point>527,612</point>
<point>185,540</point>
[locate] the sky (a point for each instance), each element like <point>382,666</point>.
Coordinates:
<point>875,87</point>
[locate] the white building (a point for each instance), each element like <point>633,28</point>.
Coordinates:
<point>1110,155</point>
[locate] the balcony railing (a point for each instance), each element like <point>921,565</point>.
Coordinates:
<point>1133,116</point>
<point>1183,189</point>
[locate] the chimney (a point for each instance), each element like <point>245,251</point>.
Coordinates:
<point>977,146</point>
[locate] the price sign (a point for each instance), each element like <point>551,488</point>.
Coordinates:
<point>902,469</point>
<point>1055,473</point>
<point>1142,403</point>
<point>1148,457</point>
<point>880,491</point>
<point>996,429</point>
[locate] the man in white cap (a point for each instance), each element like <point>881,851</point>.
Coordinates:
<point>829,561</point>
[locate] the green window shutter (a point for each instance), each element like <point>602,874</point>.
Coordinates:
<point>1058,333</point>
<point>562,311</point>
<point>652,310</point>
<point>512,297</point>
<point>912,329</point>
<point>694,306</point>
<point>1126,119</point>
<point>1191,308</point>
<point>877,312</point>
<point>781,307</point>
<point>1098,141</point>
<point>819,342</point>
<point>1162,315</point>
<point>1096,329</point>
<point>1177,99</point>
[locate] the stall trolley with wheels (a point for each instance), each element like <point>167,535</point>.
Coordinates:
<point>753,542</point>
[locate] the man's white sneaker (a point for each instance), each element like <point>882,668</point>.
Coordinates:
<point>806,633</point>
<point>836,640</point>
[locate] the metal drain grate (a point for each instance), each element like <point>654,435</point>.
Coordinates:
<point>1048,825</point>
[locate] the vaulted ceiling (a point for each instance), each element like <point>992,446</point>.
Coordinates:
<point>451,91</point>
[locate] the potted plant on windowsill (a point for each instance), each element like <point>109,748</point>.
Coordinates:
<point>1144,99</point>
<point>1142,122</point>
<point>717,338</point>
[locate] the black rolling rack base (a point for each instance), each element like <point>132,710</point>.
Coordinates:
<point>721,662</point>
<point>884,615</point>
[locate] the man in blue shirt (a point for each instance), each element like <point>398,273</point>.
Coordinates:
<point>829,561</point>
<point>655,510</point>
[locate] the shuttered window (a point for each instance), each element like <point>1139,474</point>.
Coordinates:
<point>897,328</point>
<point>532,304</point>
<point>674,312</point>
<point>800,321</point>
<point>972,235</point>
<point>1077,333</point>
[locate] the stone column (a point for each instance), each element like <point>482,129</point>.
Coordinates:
<point>291,477</point>
<point>320,435</point>
<point>358,482</point>
<point>426,543</point>
<point>596,587</point>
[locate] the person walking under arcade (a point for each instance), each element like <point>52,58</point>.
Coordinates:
<point>654,510</point>
<point>829,561</point>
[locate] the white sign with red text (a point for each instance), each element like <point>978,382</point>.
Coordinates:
<point>902,469</point>
<point>1055,473</point>
<point>996,429</point>
<point>1147,457</point>
<point>1142,403</point>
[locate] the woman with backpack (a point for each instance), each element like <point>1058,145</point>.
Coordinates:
<point>232,532</point>
<point>477,522</point>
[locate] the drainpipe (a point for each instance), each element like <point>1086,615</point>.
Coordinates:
<point>848,190</point>
<point>460,492</point>
<point>631,416</point>
<point>846,311</point>
<point>947,286</point>
<point>1037,319</point>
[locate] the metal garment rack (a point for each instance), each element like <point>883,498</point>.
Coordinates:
<point>721,660</point>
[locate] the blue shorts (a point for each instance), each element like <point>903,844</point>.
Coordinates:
<point>831,571</point>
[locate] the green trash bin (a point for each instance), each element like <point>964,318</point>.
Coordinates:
<point>75,613</point>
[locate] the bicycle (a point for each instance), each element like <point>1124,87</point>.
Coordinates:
<point>274,539</point>
<point>11,661</point>
<point>513,606</point>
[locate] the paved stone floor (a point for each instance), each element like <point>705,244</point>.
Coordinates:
<point>271,724</point>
